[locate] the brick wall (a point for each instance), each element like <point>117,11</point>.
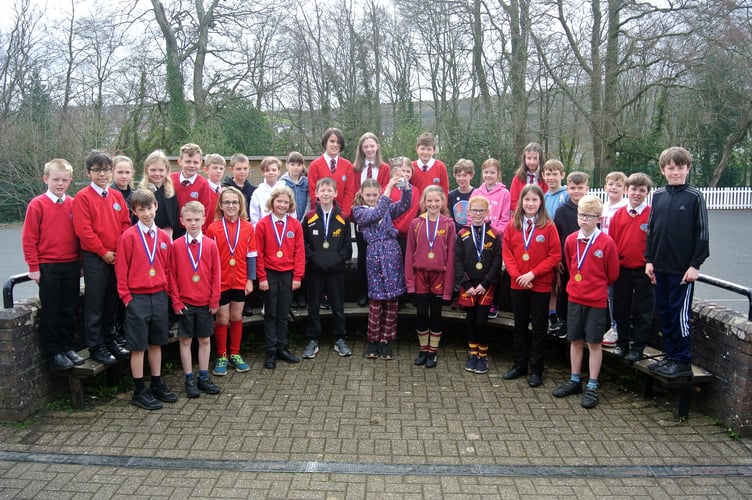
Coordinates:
<point>25,381</point>
<point>722,344</point>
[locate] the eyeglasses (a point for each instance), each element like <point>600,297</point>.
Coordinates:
<point>478,210</point>
<point>98,170</point>
<point>231,203</point>
<point>588,216</point>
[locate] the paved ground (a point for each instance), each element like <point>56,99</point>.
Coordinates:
<point>351,428</point>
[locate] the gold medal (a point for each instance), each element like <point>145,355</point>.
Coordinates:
<point>431,255</point>
<point>525,256</point>
<point>152,272</point>
<point>578,277</point>
<point>325,245</point>
<point>196,278</point>
<point>478,266</point>
<point>279,254</point>
<point>232,261</point>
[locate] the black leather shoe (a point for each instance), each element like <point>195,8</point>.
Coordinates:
<point>287,356</point>
<point>535,380</point>
<point>120,340</point>
<point>658,364</point>
<point>271,362</point>
<point>101,354</point>
<point>74,357</point>
<point>620,351</point>
<point>191,388</point>
<point>363,300</point>
<point>144,399</point>
<point>61,362</point>
<point>117,351</point>
<point>247,311</point>
<point>515,372</point>
<point>162,393</point>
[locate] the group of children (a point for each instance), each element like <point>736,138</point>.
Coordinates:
<point>186,242</point>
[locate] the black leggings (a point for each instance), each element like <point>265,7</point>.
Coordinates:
<point>429,312</point>
<point>477,325</point>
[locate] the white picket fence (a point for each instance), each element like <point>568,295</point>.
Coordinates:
<point>718,198</point>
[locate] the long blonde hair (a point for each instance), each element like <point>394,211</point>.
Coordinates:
<point>157,156</point>
<point>442,195</point>
<point>541,218</point>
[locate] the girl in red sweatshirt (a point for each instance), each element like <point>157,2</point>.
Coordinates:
<point>530,249</point>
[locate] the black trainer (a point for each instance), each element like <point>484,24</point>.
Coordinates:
<point>191,388</point>
<point>590,399</point>
<point>567,389</point>
<point>206,385</point>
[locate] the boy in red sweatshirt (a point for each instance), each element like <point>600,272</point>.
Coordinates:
<point>195,288</point>
<point>100,216</point>
<point>593,262</point>
<point>189,186</point>
<point>633,292</point>
<point>141,265</point>
<point>51,251</point>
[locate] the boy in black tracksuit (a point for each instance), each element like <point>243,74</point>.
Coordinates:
<point>328,248</point>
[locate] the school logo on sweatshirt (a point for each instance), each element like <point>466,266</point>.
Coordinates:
<point>290,234</point>
<point>540,238</point>
<point>644,227</point>
<point>117,207</point>
<point>194,195</point>
<point>598,254</point>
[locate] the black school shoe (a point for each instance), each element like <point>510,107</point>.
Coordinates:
<point>191,388</point>
<point>162,393</point>
<point>144,399</point>
<point>567,389</point>
<point>590,399</point>
<point>61,362</point>
<point>74,357</point>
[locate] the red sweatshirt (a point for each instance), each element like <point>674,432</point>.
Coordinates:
<point>183,287</point>
<point>402,223</point>
<point>234,277</point>
<point>436,175</point>
<point>344,176</point>
<point>544,253</point>
<point>293,248</point>
<point>132,267</point>
<point>518,184</point>
<point>48,235</point>
<point>631,236</point>
<point>416,254</point>
<point>99,221</point>
<point>198,191</point>
<point>599,269</point>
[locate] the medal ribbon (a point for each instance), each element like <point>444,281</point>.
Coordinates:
<point>234,245</point>
<point>150,255</point>
<point>326,218</point>
<point>197,261</point>
<point>527,238</point>
<point>430,239</point>
<point>280,236</point>
<point>581,260</point>
<point>479,248</point>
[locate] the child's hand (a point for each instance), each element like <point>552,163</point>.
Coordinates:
<point>560,267</point>
<point>35,275</point>
<point>295,284</point>
<point>213,310</point>
<point>109,257</point>
<point>248,287</point>
<point>264,286</point>
<point>180,312</point>
<point>650,272</point>
<point>526,280</point>
<point>691,275</point>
